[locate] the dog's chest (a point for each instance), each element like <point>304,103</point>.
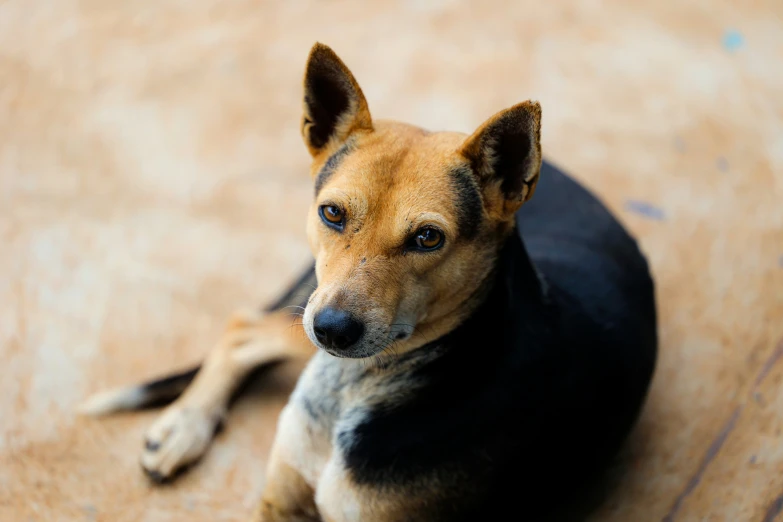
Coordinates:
<point>325,395</point>
<point>332,398</point>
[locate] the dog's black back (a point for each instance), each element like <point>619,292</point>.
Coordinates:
<point>535,392</point>
<point>580,247</point>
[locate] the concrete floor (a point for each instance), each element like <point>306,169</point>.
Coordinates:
<point>152,179</point>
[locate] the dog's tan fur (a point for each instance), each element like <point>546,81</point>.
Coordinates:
<point>390,184</point>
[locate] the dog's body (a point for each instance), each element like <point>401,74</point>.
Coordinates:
<point>499,377</point>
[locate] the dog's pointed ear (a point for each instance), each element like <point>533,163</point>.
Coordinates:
<point>334,106</point>
<point>505,156</point>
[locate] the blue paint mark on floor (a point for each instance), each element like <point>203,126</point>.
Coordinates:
<point>679,144</point>
<point>723,164</point>
<point>90,512</point>
<point>780,261</point>
<point>733,40</point>
<point>645,209</point>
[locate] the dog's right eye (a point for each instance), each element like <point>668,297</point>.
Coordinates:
<point>332,216</point>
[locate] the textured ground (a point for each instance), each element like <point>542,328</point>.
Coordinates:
<point>152,179</point>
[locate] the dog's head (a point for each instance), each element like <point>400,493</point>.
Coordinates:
<point>406,224</point>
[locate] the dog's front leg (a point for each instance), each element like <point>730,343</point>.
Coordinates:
<point>287,496</point>
<point>185,429</point>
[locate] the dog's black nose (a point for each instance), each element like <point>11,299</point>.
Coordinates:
<point>337,329</point>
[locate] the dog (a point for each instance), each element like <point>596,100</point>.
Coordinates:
<point>475,353</point>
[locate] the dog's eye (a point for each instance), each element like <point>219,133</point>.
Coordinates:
<point>428,238</point>
<point>332,215</point>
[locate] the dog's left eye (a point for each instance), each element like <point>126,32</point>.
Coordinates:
<point>427,239</point>
<point>332,216</point>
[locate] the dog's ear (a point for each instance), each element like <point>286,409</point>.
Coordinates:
<point>505,156</point>
<point>334,106</point>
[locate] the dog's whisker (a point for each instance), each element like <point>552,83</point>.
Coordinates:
<point>301,296</point>
<point>294,325</point>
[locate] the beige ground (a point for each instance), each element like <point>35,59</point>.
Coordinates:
<point>152,179</point>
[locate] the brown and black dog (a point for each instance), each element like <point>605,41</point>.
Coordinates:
<point>475,353</point>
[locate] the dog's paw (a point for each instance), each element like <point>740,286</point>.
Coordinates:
<point>178,438</point>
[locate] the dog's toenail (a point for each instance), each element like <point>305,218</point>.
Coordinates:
<point>155,476</point>
<point>151,445</point>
